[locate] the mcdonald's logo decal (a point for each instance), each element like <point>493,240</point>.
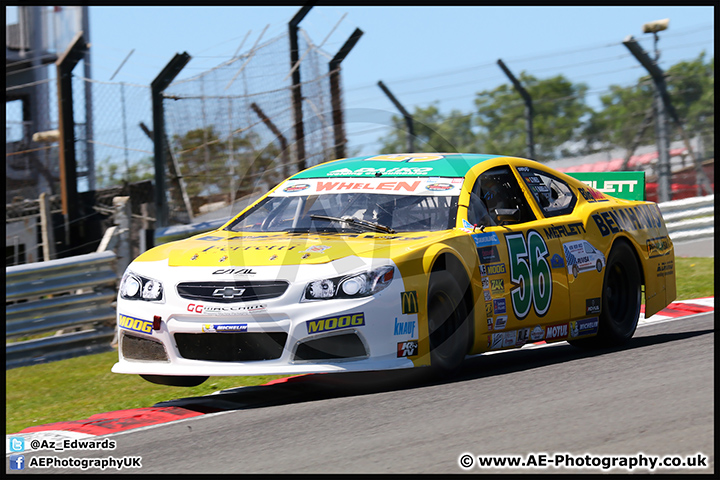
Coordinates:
<point>409,302</point>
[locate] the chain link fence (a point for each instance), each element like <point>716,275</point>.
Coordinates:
<point>231,129</point>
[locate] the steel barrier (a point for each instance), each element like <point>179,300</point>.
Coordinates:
<point>66,294</point>
<point>689,218</point>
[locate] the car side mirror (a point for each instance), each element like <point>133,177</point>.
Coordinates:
<point>507,214</point>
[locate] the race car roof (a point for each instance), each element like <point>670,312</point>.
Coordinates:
<point>398,165</point>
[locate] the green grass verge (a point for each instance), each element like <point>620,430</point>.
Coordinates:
<point>80,387</point>
<point>695,277</point>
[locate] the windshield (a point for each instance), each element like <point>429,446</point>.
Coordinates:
<point>288,210</point>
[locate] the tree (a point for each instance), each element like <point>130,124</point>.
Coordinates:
<point>558,104</point>
<point>691,86</point>
<point>691,89</point>
<point>433,132</point>
<point>619,120</point>
<point>204,160</point>
<point>111,173</point>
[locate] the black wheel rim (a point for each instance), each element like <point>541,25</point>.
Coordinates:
<point>441,313</point>
<point>620,295</point>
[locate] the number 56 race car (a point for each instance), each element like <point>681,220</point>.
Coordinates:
<point>392,262</point>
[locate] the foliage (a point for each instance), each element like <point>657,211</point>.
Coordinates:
<point>433,132</point>
<point>109,173</point>
<point>207,162</point>
<point>561,115</point>
<point>558,107</point>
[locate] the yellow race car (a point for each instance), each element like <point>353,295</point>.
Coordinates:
<point>391,262</point>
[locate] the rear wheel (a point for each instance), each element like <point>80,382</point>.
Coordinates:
<point>448,322</point>
<point>620,300</point>
<point>174,381</point>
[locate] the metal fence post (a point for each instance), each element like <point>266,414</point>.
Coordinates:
<point>122,220</point>
<point>157,86</point>
<point>46,228</point>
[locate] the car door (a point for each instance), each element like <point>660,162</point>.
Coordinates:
<point>525,286</point>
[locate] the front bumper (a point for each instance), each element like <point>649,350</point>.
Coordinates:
<point>273,337</point>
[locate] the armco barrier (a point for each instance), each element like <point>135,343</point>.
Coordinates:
<point>689,218</point>
<point>60,294</point>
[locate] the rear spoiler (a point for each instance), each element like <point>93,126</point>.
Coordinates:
<point>625,185</point>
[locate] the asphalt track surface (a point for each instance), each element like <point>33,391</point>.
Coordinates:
<point>654,396</point>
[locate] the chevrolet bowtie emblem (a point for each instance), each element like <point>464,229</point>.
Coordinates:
<point>228,292</point>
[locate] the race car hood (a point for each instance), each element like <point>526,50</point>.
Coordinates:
<point>222,248</point>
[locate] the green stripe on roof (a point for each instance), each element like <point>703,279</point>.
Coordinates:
<point>450,165</point>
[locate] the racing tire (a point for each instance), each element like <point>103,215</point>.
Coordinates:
<point>174,381</point>
<point>621,300</point>
<point>448,323</point>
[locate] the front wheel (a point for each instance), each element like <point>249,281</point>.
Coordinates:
<point>620,300</point>
<point>448,322</point>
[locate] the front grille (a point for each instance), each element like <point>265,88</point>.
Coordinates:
<point>232,292</point>
<point>137,348</point>
<point>347,345</point>
<point>230,347</point>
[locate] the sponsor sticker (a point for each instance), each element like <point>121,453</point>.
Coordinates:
<point>485,239</point>
<point>500,322</point>
<point>592,306</point>
<point>225,309</point>
<point>224,328</point>
<point>496,340</point>
<point>135,324</point>
<point>658,247</point>
<point>509,338</point>
<point>335,323</point>
<point>499,305</point>
<point>555,332</point>
<point>407,349</point>
<point>537,333</point>
<point>409,302</point>
<point>485,283</point>
<point>556,261</point>
<point>439,187</point>
<point>490,323</point>
<point>488,254</point>
<point>487,296</point>
<point>299,187</point>
<point>587,326</point>
<point>489,309</point>
<point>235,271</point>
<point>522,337</point>
<point>497,286</point>
<point>404,328</point>
<point>316,249</point>
<point>496,269</point>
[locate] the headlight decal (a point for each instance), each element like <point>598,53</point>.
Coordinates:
<point>138,287</point>
<point>350,286</point>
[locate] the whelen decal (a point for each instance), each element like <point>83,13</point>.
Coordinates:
<point>380,185</point>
